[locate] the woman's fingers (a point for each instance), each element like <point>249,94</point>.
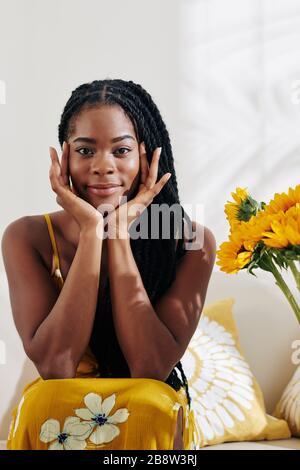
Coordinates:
<point>144,164</point>
<point>160,184</point>
<point>152,177</point>
<point>55,172</point>
<point>149,176</point>
<point>65,164</point>
<point>147,196</point>
<point>143,199</point>
<point>149,188</point>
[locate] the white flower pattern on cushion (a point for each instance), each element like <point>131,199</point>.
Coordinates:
<point>290,403</point>
<point>96,414</point>
<point>193,445</point>
<point>220,380</point>
<point>71,438</point>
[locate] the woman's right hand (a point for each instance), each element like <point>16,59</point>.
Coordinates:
<point>84,213</point>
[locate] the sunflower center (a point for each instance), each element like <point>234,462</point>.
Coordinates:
<point>100,419</point>
<point>62,437</point>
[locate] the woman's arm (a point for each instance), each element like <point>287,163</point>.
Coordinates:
<point>55,330</point>
<point>154,338</point>
<point>141,334</point>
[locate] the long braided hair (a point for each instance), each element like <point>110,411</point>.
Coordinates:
<point>156,258</point>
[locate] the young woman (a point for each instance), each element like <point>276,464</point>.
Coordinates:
<point>106,319</point>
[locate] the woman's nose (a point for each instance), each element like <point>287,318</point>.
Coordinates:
<point>102,163</point>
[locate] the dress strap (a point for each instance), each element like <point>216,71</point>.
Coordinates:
<point>57,271</point>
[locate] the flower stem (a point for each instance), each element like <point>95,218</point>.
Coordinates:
<point>285,289</point>
<point>295,272</point>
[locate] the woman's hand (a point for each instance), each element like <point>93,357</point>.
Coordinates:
<point>83,212</point>
<point>121,218</point>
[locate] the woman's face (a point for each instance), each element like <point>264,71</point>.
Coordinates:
<point>104,149</point>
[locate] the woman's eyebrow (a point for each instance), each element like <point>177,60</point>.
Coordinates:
<point>89,140</point>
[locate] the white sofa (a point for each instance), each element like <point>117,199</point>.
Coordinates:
<point>267,328</point>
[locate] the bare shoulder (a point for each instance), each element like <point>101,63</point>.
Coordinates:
<point>20,228</point>
<point>29,231</point>
<point>203,241</point>
<point>28,228</point>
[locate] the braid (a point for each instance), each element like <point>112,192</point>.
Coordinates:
<point>156,259</point>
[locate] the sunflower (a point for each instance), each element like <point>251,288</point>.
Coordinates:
<point>264,236</point>
<point>232,208</point>
<point>242,209</point>
<point>293,224</point>
<point>283,201</point>
<point>232,255</point>
<point>252,231</point>
<point>285,229</point>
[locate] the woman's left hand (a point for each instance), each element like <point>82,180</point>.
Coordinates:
<point>121,218</point>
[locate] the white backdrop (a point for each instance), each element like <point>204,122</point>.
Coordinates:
<point>223,73</point>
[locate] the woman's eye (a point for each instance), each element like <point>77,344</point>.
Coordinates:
<point>83,148</point>
<point>122,148</point>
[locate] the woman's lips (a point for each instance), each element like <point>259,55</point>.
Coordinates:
<point>103,191</point>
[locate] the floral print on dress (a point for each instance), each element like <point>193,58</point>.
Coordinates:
<point>72,436</point>
<point>96,414</point>
<point>96,425</point>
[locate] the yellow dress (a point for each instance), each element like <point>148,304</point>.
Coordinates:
<point>88,412</point>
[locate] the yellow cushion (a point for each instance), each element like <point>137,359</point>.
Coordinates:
<point>288,406</point>
<point>226,398</point>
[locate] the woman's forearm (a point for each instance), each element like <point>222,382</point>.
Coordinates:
<point>142,336</point>
<point>61,339</point>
